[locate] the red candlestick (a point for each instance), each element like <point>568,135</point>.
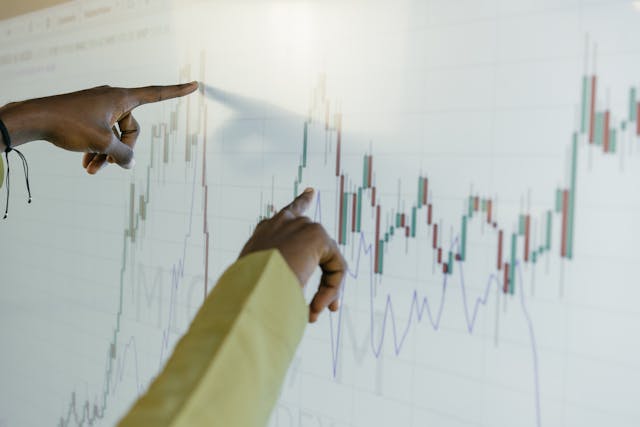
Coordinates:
<point>435,235</point>
<point>500,249</point>
<point>505,281</point>
<point>425,189</point>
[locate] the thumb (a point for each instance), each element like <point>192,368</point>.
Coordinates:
<point>121,153</point>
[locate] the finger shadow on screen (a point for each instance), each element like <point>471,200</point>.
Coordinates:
<point>257,128</point>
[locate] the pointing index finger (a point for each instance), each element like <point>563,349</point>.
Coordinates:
<point>301,203</point>
<point>149,94</point>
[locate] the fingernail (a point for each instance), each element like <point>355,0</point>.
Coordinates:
<point>308,190</point>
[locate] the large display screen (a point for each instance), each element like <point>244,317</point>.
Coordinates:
<point>478,162</point>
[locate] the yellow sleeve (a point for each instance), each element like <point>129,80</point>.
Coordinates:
<point>228,368</point>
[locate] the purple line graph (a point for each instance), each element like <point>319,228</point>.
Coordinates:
<point>90,411</point>
<point>364,264</point>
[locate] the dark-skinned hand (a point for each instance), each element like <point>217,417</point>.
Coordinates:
<point>305,245</point>
<point>86,121</point>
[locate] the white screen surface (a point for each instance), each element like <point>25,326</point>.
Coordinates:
<point>489,105</point>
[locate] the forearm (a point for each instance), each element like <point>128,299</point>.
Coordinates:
<point>25,122</point>
<point>228,368</point>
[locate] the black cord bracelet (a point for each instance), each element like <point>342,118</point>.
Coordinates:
<point>6,138</point>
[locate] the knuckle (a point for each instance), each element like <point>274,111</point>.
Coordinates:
<point>264,225</point>
<point>287,214</point>
<point>316,305</point>
<point>316,229</point>
<point>103,140</point>
<point>128,97</point>
<point>343,262</point>
<point>328,290</point>
<point>300,221</point>
<point>305,219</point>
<point>117,94</point>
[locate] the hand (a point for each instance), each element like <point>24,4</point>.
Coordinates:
<point>86,121</point>
<point>305,245</point>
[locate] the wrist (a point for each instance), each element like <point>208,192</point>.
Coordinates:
<point>23,121</point>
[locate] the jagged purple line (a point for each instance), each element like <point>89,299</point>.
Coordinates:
<point>120,369</point>
<point>365,249</point>
<point>177,274</point>
<point>177,270</point>
<point>534,346</point>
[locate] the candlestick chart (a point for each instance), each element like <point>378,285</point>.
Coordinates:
<point>513,250</point>
<point>478,175</point>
